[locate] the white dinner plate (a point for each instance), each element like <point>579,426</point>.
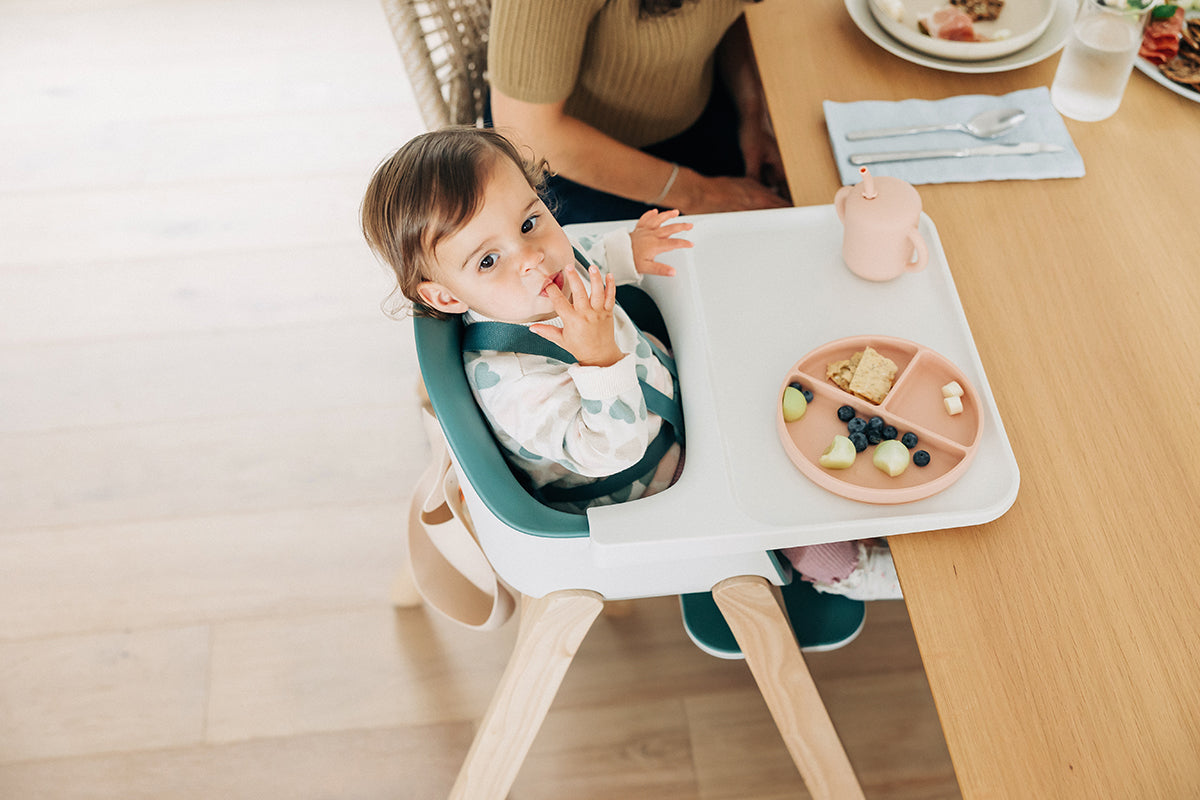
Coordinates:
<point>1045,46</point>
<point>1151,71</point>
<point>1023,21</point>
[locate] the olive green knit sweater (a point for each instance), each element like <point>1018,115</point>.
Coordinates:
<point>637,79</point>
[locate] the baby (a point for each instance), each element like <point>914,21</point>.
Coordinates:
<point>584,404</point>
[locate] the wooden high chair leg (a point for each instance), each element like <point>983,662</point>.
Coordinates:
<point>760,625</point>
<point>551,630</point>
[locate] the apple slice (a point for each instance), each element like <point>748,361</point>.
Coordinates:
<point>891,456</point>
<point>794,404</point>
<point>840,453</point>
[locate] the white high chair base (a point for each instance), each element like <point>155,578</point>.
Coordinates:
<point>552,628</point>
<point>754,613</point>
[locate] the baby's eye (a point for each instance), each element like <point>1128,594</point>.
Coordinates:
<point>488,261</point>
<point>529,224</point>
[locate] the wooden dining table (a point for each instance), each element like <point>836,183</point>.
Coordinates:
<point>1062,640</point>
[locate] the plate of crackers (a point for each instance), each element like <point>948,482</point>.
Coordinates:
<point>893,387</point>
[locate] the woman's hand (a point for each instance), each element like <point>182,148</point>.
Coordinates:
<point>587,332</point>
<point>760,151</point>
<point>652,237</point>
<point>694,193</point>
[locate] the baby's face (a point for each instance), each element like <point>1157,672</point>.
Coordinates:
<point>500,263</point>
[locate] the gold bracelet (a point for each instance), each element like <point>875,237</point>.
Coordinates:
<point>670,182</point>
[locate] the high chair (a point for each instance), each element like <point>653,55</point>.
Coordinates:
<point>546,556</point>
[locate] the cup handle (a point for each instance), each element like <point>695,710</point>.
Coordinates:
<point>839,202</point>
<point>918,243</point>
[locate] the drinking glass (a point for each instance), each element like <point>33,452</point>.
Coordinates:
<point>1098,58</point>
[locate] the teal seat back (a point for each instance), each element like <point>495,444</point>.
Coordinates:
<point>439,353</point>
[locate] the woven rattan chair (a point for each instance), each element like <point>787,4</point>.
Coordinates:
<point>444,47</point>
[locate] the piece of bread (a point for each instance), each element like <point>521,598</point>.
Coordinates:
<point>842,372</point>
<point>873,376</point>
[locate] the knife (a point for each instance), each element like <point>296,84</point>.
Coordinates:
<point>1020,149</point>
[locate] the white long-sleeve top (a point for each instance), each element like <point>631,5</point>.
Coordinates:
<point>565,424</point>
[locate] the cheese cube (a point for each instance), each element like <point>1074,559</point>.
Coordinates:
<point>953,405</point>
<point>952,389</point>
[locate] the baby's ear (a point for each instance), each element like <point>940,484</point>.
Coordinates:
<point>440,298</point>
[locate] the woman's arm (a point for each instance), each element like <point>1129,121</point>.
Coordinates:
<point>583,154</point>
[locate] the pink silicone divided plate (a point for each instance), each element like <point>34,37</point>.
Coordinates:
<point>913,404</point>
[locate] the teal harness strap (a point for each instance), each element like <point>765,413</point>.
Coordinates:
<point>509,338</point>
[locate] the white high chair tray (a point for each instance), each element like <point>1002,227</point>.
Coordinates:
<point>756,292</point>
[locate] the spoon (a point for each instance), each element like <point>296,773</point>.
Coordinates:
<point>984,125</point>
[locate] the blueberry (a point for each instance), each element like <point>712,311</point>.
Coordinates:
<point>921,458</point>
<point>890,432</point>
<point>796,385</point>
<point>856,425</point>
<point>846,413</point>
<point>860,441</point>
<point>909,440</point>
<point>808,395</point>
<point>875,424</point>
<point>874,437</point>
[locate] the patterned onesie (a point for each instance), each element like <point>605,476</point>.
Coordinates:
<point>565,425</point>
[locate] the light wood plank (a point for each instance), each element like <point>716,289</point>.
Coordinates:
<point>414,763</point>
<point>368,668</point>
<point>113,382</point>
<point>635,749</point>
<point>204,466</point>
<point>109,691</point>
<point>220,291</point>
<point>194,570</point>
<point>159,220</point>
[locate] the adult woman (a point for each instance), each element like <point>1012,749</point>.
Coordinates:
<point>635,103</point>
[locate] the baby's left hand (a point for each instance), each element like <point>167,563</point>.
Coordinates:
<point>652,237</point>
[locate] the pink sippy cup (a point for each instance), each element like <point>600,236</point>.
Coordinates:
<point>880,236</point>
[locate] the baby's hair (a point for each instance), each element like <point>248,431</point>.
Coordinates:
<point>427,190</point>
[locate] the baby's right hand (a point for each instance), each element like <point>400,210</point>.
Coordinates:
<point>588,332</point>
<point>651,237</point>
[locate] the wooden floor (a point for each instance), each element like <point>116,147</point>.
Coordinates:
<point>207,439</point>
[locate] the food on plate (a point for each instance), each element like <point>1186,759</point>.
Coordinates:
<point>798,386</point>
<point>948,22</point>
<point>846,413</point>
<point>956,22</point>
<point>891,457</point>
<point>1160,41</point>
<point>859,440</point>
<point>953,404</point>
<point>921,458</point>
<point>909,440</point>
<point>874,430</point>
<point>893,8</point>
<point>794,404</point>
<point>980,9</point>
<point>873,376</point>
<point>952,389</point>
<point>841,372</point>
<point>839,455</point>
<point>1184,68</point>
<point>866,374</point>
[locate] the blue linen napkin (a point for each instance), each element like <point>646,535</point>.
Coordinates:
<point>1042,124</point>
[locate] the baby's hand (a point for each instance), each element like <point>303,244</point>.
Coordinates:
<point>652,237</point>
<point>587,331</point>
